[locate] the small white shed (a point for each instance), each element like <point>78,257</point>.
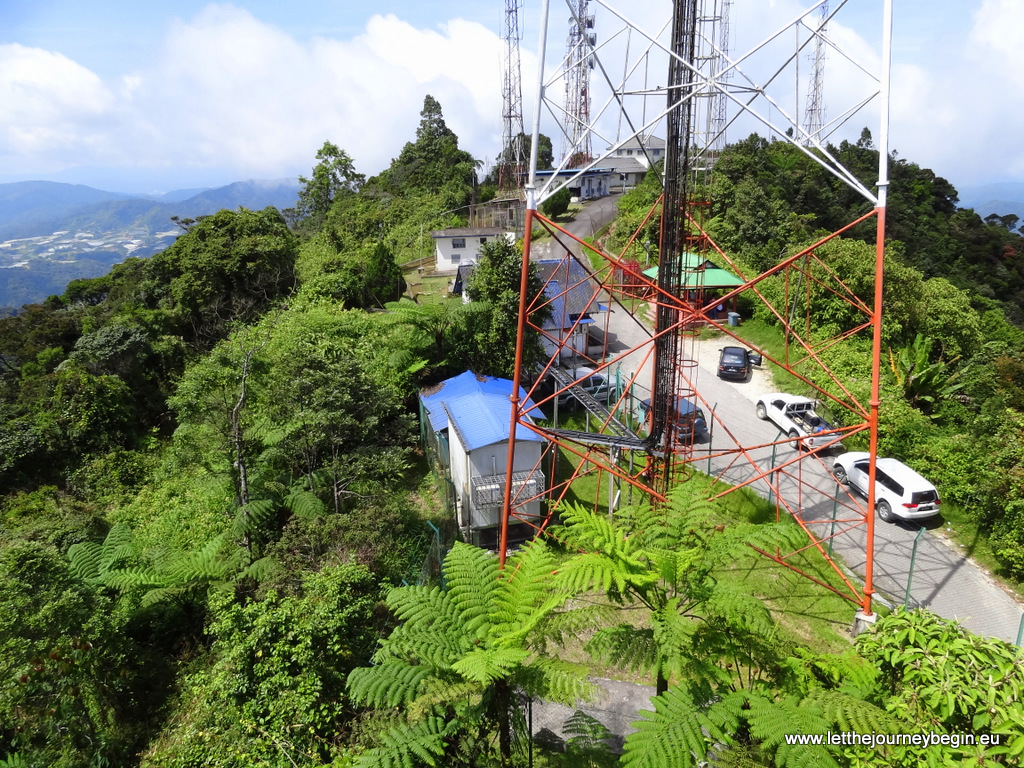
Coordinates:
<point>472,414</point>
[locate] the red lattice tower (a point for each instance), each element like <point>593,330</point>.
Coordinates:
<point>639,452</point>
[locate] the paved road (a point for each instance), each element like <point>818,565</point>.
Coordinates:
<point>944,580</point>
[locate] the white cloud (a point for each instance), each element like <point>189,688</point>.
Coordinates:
<point>50,106</point>
<point>227,90</point>
<point>987,92</point>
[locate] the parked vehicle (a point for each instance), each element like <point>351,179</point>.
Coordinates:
<point>594,384</point>
<point>899,491</point>
<point>797,417</point>
<point>736,363</point>
<point>690,422</point>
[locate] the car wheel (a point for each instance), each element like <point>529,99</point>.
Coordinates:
<point>840,474</point>
<point>884,511</point>
<point>797,442</point>
<point>761,412</point>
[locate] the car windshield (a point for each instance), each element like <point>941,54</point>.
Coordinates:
<point>733,356</point>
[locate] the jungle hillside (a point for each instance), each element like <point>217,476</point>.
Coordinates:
<point>221,543</point>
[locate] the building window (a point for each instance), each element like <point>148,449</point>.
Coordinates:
<point>483,241</point>
<point>456,258</point>
<point>629,151</point>
<point>458,242</point>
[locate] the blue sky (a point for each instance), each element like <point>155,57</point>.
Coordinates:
<point>161,95</point>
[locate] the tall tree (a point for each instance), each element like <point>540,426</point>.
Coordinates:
<point>334,175</point>
<point>495,286</point>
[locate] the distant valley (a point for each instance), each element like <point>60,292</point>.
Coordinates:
<point>52,233</point>
<point>1000,198</point>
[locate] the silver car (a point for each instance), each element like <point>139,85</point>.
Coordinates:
<point>899,491</point>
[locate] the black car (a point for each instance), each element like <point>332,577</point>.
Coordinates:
<point>736,362</point>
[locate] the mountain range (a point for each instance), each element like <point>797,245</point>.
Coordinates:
<point>52,233</point>
<point>1002,199</point>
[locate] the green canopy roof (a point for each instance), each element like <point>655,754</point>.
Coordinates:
<point>709,277</point>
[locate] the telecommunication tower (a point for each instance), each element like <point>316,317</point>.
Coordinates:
<point>512,162</point>
<point>641,441</point>
<point>579,61</point>
<point>814,116</point>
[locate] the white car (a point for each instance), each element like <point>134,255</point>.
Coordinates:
<point>899,491</point>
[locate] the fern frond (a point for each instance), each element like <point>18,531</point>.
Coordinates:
<point>738,608</point>
<point>471,578</point>
<point>625,646</point>
<point>255,517</point>
<point>599,571</point>
<point>304,504</point>
<point>596,533</point>
<point>125,579</point>
<point>85,560</point>
<point>526,584</point>
<point>438,649</point>
<point>558,680</point>
<point>420,607</point>
<point>771,721</point>
<point>386,685</point>
<point>204,564</point>
<point>485,665</point>
<point>92,562</point>
<point>678,733</point>
<point>586,734</point>
<point>119,544</point>
<point>261,570</point>
<point>409,747</point>
<point>851,713</point>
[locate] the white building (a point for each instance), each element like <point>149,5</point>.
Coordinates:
<point>453,247</point>
<point>587,185</point>
<point>630,161</point>
<point>469,415</point>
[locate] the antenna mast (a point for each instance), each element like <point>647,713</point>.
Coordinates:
<point>815,113</point>
<point>579,61</point>
<point>512,163</point>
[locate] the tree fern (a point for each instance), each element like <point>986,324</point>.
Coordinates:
<point>679,732</point>
<point>409,747</point>
<point>475,643</point>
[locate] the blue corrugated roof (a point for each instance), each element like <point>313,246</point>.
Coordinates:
<point>479,408</point>
<point>570,291</point>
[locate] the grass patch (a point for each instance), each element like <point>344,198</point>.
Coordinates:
<point>965,532</point>
<point>428,288</point>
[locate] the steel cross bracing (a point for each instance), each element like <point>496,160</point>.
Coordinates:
<point>640,447</point>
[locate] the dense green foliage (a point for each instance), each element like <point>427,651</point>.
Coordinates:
<point>213,528</point>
